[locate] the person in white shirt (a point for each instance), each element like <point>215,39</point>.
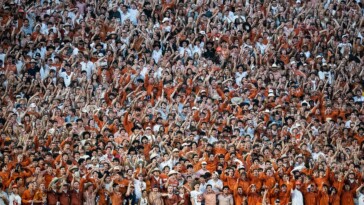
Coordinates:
<point>196,195</point>
<point>166,25</point>
<point>274,7</point>
<point>351,121</point>
<point>4,199</point>
<point>166,162</point>
<point>360,195</point>
<point>66,74</point>
<point>299,162</point>
<point>197,47</point>
<point>144,200</point>
<point>139,185</point>
<point>259,45</point>
<point>216,183</point>
<point>87,66</point>
<point>125,38</point>
<point>44,28</point>
<point>2,55</point>
<point>317,153</point>
<point>240,74</point>
<point>125,14</point>
<point>44,70</point>
<point>239,14</point>
<point>203,169</point>
<point>14,198</point>
<point>228,16</point>
<point>148,134</point>
<point>359,96</point>
<point>157,53</point>
<point>345,44</point>
<point>134,13</point>
<point>296,194</point>
<point>184,47</point>
<point>325,73</point>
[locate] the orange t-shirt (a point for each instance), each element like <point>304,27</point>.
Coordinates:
<point>116,198</point>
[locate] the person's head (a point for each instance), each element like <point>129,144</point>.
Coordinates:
<point>15,189</point>
<point>90,187</point>
<point>284,188</point>
<point>170,189</point>
<point>196,186</point>
<point>298,184</point>
<point>225,190</point>
<point>76,185</point>
<point>65,187</point>
<point>203,165</point>
<point>347,187</point>
<point>144,193</point>
<point>155,188</point>
<point>209,188</point>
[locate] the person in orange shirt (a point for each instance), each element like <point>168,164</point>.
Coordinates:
<point>323,196</point>
<point>254,197</point>
<point>239,196</point>
<point>334,196</point>
<point>269,179</point>
<point>40,196</point>
<point>255,178</point>
<point>211,163</point>
<point>322,178</point>
<point>284,195</point>
<point>28,195</point>
<point>115,194</point>
<point>347,195</point>
<point>228,178</point>
<point>310,194</point>
<point>243,182</point>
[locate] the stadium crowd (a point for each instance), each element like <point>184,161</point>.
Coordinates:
<point>181,102</point>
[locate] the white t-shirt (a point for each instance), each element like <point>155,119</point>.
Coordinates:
<point>297,197</point>
<point>2,193</point>
<point>156,55</point>
<point>274,9</point>
<point>361,199</point>
<point>166,163</point>
<point>323,74</point>
<point>44,71</point>
<point>134,14</point>
<point>212,140</point>
<point>194,196</point>
<point>316,155</point>
<point>358,98</point>
<point>342,47</point>
<point>239,76</point>
<point>139,186</point>
<point>67,78</point>
<point>261,47</point>
<point>2,57</point>
<point>89,67</point>
<point>125,16</point>
<point>150,137</point>
<point>14,199</point>
<point>156,128</point>
<point>217,183</point>
<point>182,50</point>
<point>143,201</point>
